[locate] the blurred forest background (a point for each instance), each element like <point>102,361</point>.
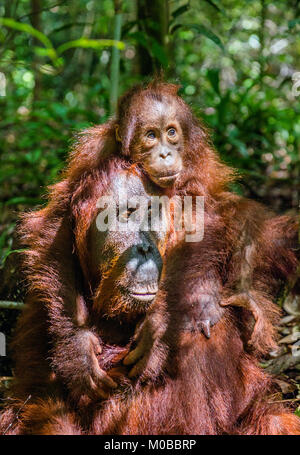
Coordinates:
<point>63,65</point>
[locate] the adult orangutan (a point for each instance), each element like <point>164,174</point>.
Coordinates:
<point>88,290</point>
<point>197,386</point>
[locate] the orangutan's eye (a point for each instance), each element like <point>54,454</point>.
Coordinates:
<point>171,132</point>
<point>150,134</point>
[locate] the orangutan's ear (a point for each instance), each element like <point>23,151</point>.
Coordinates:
<point>118,138</point>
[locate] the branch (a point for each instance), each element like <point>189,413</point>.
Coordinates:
<point>11,305</point>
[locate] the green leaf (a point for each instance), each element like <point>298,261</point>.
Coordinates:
<point>127,27</point>
<point>213,76</point>
<point>223,108</point>
<point>182,9</point>
<point>158,51</point>
<point>217,5</point>
<point>6,255</point>
<point>139,37</point>
<point>90,43</point>
<point>292,23</point>
<point>202,30</point>
<point>155,48</point>
<point>176,27</point>
<point>240,146</point>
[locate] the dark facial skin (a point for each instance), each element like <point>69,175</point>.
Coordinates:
<point>158,142</point>
<point>129,262</point>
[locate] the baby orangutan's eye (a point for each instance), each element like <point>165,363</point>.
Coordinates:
<point>171,132</point>
<point>150,134</point>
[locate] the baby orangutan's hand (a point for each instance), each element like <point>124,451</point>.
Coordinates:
<point>76,361</point>
<point>149,355</point>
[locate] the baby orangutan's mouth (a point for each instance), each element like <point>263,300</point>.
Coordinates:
<point>165,180</point>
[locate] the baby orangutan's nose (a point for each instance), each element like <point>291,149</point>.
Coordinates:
<point>164,152</point>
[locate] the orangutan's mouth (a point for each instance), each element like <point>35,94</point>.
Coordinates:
<point>166,178</point>
<point>143,296</point>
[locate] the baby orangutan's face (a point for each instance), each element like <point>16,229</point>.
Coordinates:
<point>158,142</point>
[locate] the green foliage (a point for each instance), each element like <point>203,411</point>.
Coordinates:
<point>49,51</point>
<point>90,43</point>
<point>11,23</point>
<point>202,30</point>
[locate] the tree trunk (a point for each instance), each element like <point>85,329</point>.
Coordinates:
<point>115,58</point>
<point>153,18</point>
